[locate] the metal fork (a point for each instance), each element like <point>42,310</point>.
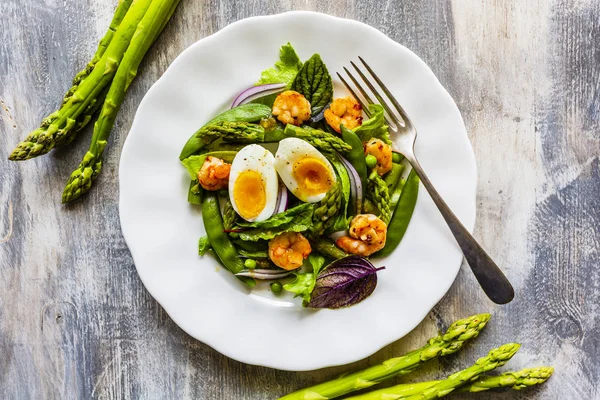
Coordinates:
<point>490,277</point>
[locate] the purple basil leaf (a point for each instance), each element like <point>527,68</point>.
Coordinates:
<point>344,282</point>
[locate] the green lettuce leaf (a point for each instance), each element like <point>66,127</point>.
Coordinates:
<point>285,69</point>
<point>304,283</point>
<point>278,219</point>
<point>300,222</point>
<point>314,82</point>
<point>374,127</point>
<point>302,286</point>
<point>193,165</point>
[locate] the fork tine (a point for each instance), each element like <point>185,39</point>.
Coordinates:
<point>358,86</point>
<point>379,97</point>
<point>353,93</point>
<point>386,91</point>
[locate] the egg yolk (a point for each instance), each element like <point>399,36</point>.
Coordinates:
<point>312,176</point>
<point>249,194</point>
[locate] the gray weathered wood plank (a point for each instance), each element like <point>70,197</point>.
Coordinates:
<point>75,320</point>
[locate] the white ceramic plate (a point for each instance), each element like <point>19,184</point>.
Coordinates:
<point>162,229</point>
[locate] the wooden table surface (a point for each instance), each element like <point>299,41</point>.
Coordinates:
<point>76,321</point>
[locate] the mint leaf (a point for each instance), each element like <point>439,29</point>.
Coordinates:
<point>374,127</point>
<point>314,82</point>
<point>285,69</point>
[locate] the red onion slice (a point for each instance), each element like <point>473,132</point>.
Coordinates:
<point>257,91</point>
<point>282,199</point>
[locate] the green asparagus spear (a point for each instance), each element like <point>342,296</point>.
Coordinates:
<point>380,195</point>
<point>510,380</point>
<point>229,215</point>
<point>244,113</point>
<point>118,16</point>
<point>59,124</point>
<point>442,345</point>
<point>326,209</point>
<point>96,104</point>
<point>154,19</point>
<point>327,247</point>
<point>519,380</point>
<point>324,141</point>
<point>495,358</point>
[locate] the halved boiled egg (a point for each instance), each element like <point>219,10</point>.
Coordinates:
<point>253,184</point>
<point>304,170</point>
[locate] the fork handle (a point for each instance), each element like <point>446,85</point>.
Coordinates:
<point>491,278</point>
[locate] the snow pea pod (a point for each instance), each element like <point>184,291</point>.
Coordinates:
<point>393,177</point>
<point>356,156</point>
<point>402,215</point>
<point>219,240</point>
<point>195,193</point>
<point>327,247</point>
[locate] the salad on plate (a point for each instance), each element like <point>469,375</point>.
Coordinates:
<point>299,187</point>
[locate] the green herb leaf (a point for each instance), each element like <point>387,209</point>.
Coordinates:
<point>302,286</point>
<point>300,223</point>
<point>285,69</point>
<point>203,245</point>
<point>374,127</point>
<point>317,262</point>
<point>304,283</point>
<point>278,219</point>
<point>314,82</point>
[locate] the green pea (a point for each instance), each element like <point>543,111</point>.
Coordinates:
<point>371,161</point>
<point>396,158</point>
<point>276,287</point>
<point>250,263</point>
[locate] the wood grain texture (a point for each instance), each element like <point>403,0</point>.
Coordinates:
<point>75,320</point>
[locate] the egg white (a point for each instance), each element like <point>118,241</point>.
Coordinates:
<point>256,158</point>
<point>291,150</point>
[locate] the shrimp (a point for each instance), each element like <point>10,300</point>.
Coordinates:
<point>288,250</point>
<point>291,107</point>
<point>382,152</point>
<point>214,174</point>
<point>346,111</point>
<point>367,235</point>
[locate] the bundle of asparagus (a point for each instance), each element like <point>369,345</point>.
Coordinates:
<point>469,380</point>
<point>100,86</point>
